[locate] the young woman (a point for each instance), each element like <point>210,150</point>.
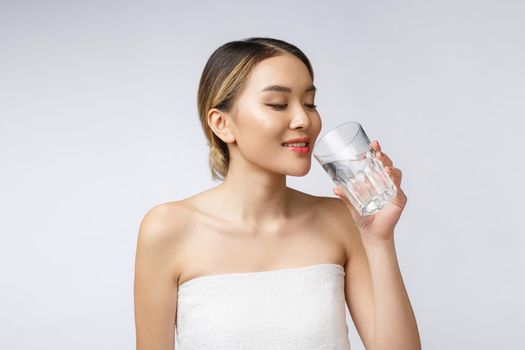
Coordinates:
<point>252,263</point>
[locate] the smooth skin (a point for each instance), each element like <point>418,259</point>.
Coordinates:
<point>257,223</point>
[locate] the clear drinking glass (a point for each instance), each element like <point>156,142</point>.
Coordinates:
<point>346,155</point>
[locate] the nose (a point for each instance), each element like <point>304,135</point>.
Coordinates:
<point>301,119</point>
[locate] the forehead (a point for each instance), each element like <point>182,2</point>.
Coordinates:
<point>284,69</point>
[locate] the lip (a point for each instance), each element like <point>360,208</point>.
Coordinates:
<point>299,149</point>
<point>300,139</point>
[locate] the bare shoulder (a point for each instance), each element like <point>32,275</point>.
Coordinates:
<point>332,208</point>
<point>329,208</point>
<point>163,230</point>
<point>306,199</point>
<point>167,224</point>
<point>164,222</point>
<point>157,270</point>
<point>337,218</point>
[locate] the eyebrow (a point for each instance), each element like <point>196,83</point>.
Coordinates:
<point>280,88</point>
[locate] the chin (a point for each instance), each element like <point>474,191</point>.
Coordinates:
<point>299,171</point>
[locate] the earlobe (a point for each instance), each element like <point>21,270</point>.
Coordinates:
<point>218,122</point>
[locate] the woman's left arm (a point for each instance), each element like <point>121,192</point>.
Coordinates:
<point>393,323</point>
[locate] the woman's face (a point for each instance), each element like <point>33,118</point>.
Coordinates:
<point>277,104</point>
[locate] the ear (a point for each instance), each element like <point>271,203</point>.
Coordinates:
<point>220,123</point>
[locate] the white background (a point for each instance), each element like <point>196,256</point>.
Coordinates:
<point>98,123</point>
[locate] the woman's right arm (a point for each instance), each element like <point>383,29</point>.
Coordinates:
<point>156,278</point>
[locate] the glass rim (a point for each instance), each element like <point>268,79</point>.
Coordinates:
<point>329,132</point>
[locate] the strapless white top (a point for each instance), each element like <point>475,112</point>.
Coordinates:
<point>297,308</point>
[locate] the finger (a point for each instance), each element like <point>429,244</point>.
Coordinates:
<point>400,198</point>
<point>384,158</point>
<point>375,146</point>
<point>395,173</point>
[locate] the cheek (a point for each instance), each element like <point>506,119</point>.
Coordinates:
<point>263,126</point>
<point>317,124</point>
<point>259,138</point>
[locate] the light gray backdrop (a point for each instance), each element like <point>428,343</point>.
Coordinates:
<point>99,123</point>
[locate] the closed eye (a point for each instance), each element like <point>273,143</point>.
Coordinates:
<point>283,106</point>
<point>277,106</point>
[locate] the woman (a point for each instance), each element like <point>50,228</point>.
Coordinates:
<point>252,263</point>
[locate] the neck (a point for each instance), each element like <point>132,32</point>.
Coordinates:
<point>255,196</point>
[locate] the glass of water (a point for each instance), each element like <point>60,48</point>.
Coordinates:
<point>346,155</point>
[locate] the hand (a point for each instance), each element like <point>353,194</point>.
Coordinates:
<point>379,226</point>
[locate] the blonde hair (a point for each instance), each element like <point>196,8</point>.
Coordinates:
<point>223,78</point>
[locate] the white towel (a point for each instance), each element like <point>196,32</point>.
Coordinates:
<point>298,308</point>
